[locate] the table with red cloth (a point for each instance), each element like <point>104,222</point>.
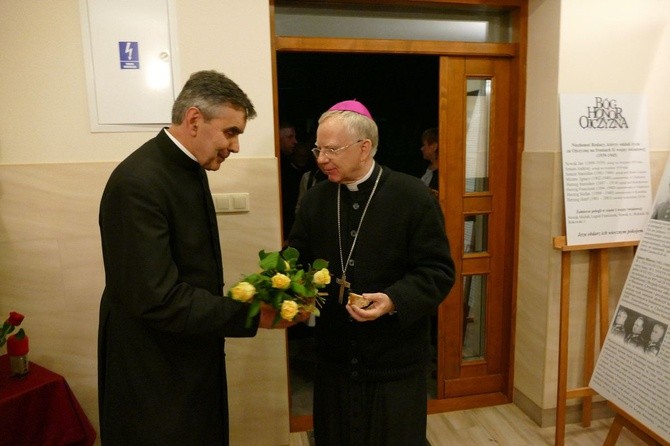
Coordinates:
<point>40,409</point>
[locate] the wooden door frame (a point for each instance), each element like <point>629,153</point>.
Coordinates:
<point>485,381</point>
<point>517,51</point>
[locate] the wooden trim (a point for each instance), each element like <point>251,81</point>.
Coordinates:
<point>598,297</point>
<point>473,386</point>
<point>519,28</point>
<point>580,392</point>
<point>462,4</point>
<point>487,3</point>
<point>516,52</point>
<point>474,264</point>
<point>467,402</point>
<point>561,243</point>
<point>346,45</point>
<point>477,204</point>
<point>301,423</point>
<point>623,419</point>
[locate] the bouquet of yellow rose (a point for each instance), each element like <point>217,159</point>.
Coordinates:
<point>285,286</point>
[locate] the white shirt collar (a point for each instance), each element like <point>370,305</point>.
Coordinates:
<point>353,185</point>
<point>180,145</point>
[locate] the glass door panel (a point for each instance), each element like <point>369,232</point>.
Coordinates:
<point>478,105</point>
<point>474,317</point>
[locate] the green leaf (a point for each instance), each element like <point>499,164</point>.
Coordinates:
<point>276,319</point>
<point>319,264</point>
<point>264,295</point>
<point>291,254</point>
<point>272,261</point>
<point>254,309</point>
<point>298,276</point>
<point>300,290</point>
<point>254,278</point>
<point>277,299</point>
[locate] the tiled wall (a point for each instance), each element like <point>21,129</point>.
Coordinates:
<point>51,271</point>
<point>539,281</point>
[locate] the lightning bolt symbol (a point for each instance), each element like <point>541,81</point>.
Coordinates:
<point>129,50</point>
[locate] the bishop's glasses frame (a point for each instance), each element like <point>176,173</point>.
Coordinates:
<point>329,153</point>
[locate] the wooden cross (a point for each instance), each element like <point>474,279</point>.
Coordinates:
<point>343,284</point>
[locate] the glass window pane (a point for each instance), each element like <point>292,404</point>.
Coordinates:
<point>391,22</point>
<point>476,233</point>
<point>477,135</point>
<point>474,317</point>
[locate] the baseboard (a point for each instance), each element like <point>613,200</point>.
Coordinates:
<point>547,417</point>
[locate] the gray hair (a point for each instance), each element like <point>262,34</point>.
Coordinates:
<point>358,126</point>
<point>209,91</point>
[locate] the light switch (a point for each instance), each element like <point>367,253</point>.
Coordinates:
<point>221,202</point>
<point>234,202</point>
<point>241,202</point>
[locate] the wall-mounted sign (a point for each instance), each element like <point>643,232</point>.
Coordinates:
<point>129,55</point>
<point>126,93</point>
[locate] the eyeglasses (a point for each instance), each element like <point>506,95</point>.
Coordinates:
<point>331,152</point>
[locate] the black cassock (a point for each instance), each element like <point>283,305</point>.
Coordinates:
<point>370,381</point>
<point>163,319</point>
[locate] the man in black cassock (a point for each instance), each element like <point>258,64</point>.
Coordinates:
<point>163,317</point>
<point>383,234</point>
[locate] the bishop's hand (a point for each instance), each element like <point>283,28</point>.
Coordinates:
<point>380,304</point>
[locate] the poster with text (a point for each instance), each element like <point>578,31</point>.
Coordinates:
<point>633,368</point>
<point>606,179</point>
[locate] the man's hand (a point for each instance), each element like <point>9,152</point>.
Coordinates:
<point>268,314</point>
<point>380,305</point>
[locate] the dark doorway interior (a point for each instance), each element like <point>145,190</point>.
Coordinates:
<point>401,92</point>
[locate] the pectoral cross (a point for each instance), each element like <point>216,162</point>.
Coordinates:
<point>343,284</point>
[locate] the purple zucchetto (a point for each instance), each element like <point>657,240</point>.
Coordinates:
<point>353,106</point>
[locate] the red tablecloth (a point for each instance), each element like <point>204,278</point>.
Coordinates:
<point>40,409</point>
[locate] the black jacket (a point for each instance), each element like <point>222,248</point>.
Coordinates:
<point>161,371</point>
<point>402,250</point>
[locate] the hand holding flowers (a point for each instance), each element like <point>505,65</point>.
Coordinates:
<point>290,290</point>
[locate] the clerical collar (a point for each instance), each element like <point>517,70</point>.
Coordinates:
<point>180,145</point>
<point>353,186</point>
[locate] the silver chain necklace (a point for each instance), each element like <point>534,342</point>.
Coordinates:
<point>343,280</point>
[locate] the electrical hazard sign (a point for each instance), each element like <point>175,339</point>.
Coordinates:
<point>129,55</point>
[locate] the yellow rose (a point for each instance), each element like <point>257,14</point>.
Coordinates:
<point>243,291</point>
<point>281,281</point>
<point>289,309</point>
<point>322,277</point>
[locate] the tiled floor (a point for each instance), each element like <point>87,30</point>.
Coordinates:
<point>502,425</point>
<point>497,425</point>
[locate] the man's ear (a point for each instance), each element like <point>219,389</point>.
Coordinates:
<point>366,149</point>
<point>193,118</point>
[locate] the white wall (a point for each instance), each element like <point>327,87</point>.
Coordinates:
<point>53,170</point>
<point>43,88</point>
<point>619,46</point>
<point>576,46</point>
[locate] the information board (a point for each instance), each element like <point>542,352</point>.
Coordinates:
<point>633,368</point>
<point>606,180</point>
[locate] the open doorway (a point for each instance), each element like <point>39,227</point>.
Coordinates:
<point>402,93</point>
<point>474,87</point>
